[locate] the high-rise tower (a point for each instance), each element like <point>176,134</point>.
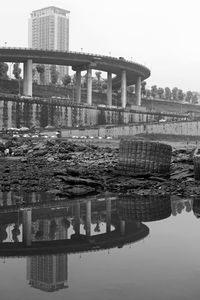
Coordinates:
<point>49,30</point>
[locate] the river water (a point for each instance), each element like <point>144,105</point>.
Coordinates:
<point>105,247</point>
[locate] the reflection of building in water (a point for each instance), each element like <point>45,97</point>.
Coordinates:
<point>48,272</point>
<point>144,208</point>
<point>65,227</point>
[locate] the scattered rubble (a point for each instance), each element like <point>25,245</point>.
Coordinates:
<point>77,168</point>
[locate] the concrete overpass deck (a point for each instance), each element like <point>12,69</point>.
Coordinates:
<point>78,60</point>
<point>126,72</point>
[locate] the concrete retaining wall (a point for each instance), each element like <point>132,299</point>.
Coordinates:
<point>26,112</point>
<point>175,128</point>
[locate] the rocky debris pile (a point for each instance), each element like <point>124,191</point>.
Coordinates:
<point>70,168</point>
<point>78,168</point>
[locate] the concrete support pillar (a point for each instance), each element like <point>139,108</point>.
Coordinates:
<point>77,218</point>
<point>26,226</point>
<point>27,84</point>
<point>108,215</point>
<point>78,86</point>
<point>138,91</point>
<point>89,86</point>
<point>88,218</point>
<point>25,78</point>
<point>123,89</point>
<point>109,88</point>
<point>122,227</point>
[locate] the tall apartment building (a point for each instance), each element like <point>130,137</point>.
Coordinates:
<point>49,30</point>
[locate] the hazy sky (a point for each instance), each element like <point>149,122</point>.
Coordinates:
<point>161,34</point>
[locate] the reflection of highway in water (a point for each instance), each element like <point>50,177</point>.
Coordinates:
<point>80,224</point>
<point>53,229</point>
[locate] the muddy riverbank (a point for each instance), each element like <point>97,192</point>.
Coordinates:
<point>74,168</point>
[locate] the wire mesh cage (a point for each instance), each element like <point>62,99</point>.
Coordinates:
<point>196,206</point>
<point>144,208</point>
<point>139,156</point>
<point>196,160</point>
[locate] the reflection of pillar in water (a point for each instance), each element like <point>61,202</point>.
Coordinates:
<point>77,218</point>
<point>26,226</point>
<point>122,227</point>
<point>9,198</point>
<point>88,217</point>
<point>5,194</point>
<point>1,198</point>
<point>138,224</point>
<point>33,197</point>
<point>108,214</point>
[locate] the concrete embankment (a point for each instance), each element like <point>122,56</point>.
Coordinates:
<point>189,129</point>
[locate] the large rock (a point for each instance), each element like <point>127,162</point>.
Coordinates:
<point>2,147</point>
<point>40,152</point>
<point>79,181</point>
<point>76,191</point>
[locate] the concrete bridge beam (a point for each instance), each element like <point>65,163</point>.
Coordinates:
<point>27,84</point>
<point>123,89</point>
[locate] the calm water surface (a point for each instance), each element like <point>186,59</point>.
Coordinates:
<point>162,263</point>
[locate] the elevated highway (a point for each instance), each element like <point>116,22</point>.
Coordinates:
<point>126,72</point>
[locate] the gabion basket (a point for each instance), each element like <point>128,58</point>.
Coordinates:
<point>138,156</point>
<point>144,208</point>
<point>196,160</point>
<point>196,206</point>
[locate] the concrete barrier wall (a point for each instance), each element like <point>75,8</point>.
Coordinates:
<point>176,128</point>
